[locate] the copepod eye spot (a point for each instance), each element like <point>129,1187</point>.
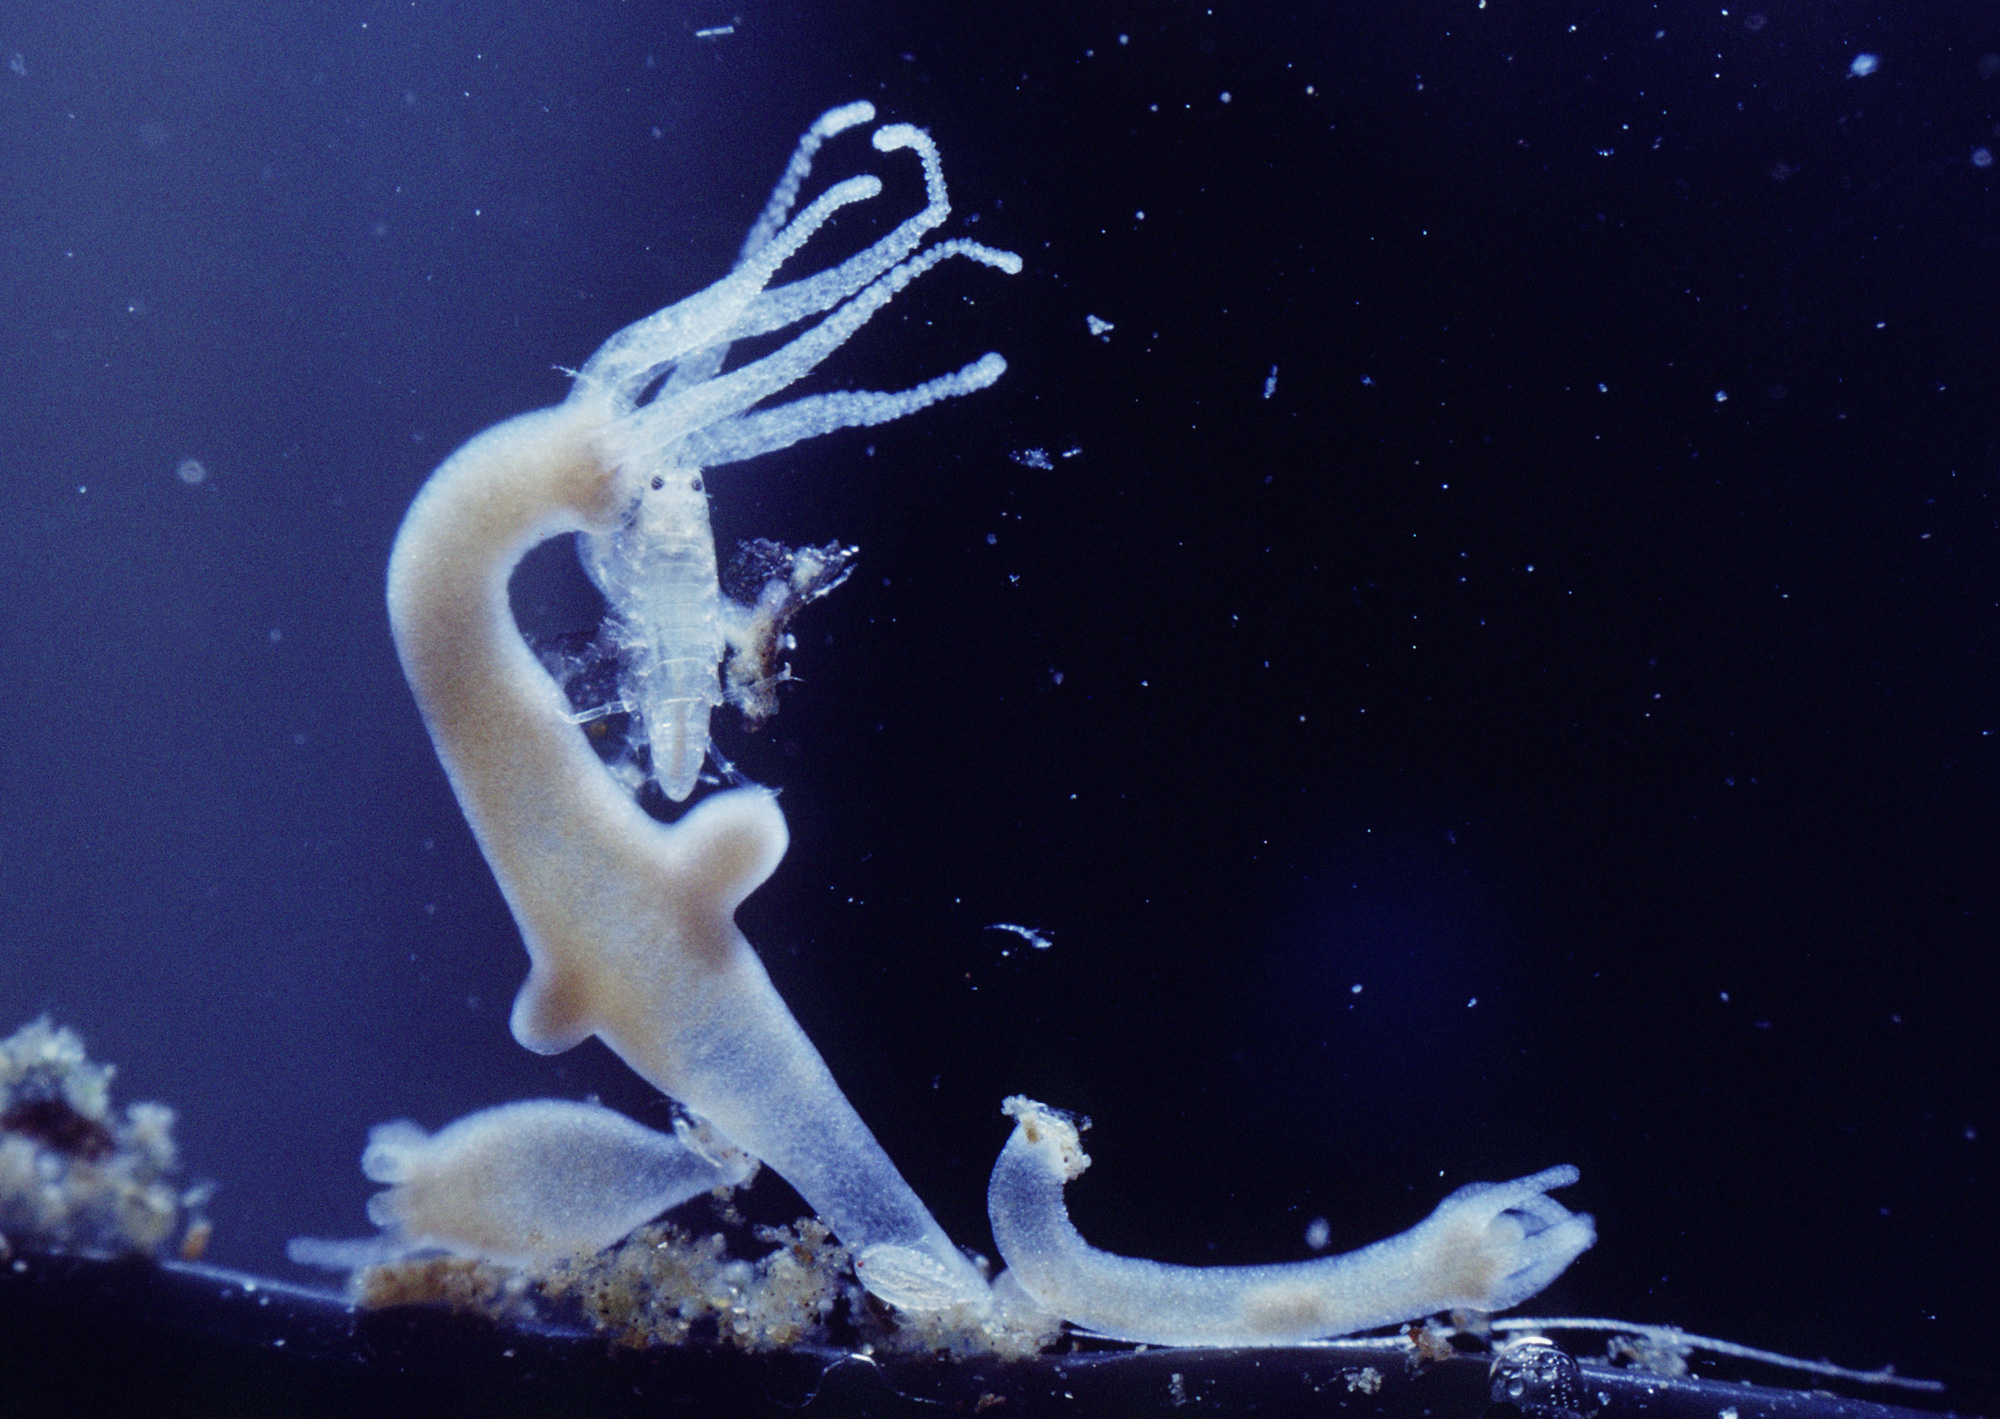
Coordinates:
<point>694,484</point>
<point>658,482</point>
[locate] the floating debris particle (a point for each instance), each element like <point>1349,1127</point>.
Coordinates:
<point>1027,933</point>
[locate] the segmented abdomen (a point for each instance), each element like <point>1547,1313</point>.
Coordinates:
<point>659,575</point>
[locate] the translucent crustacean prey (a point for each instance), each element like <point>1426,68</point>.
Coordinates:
<point>670,624</point>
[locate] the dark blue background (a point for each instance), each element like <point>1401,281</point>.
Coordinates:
<point>1598,621</point>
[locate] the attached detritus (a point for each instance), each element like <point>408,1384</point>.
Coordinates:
<point>1664,1350</point>
<point>457,1283</point>
<point>667,1285</point>
<point>776,583</point>
<point>663,1286</point>
<point>74,1170</point>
